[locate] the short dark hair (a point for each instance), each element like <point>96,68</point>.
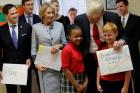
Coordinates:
<point>7,7</point>
<point>72,27</point>
<point>72,9</point>
<point>124,1</point>
<point>23,1</point>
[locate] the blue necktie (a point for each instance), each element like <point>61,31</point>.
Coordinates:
<point>14,36</point>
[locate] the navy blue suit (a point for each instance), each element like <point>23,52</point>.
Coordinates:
<point>17,55</point>
<point>36,18</point>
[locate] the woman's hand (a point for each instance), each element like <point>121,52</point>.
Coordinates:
<point>56,48</point>
<point>41,67</point>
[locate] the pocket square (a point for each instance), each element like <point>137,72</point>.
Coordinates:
<point>24,34</point>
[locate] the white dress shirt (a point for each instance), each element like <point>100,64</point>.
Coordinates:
<point>11,29</point>
<point>125,19</point>
<point>93,46</point>
<point>31,18</point>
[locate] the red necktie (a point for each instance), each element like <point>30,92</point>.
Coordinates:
<point>96,35</point>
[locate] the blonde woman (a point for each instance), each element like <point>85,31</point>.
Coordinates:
<point>59,18</point>
<point>48,33</point>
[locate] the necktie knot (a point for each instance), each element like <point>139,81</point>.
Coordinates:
<point>13,26</point>
<point>29,19</point>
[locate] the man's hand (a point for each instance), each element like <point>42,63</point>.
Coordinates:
<point>118,44</point>
<point>28,62</point>
<point>0,75</point>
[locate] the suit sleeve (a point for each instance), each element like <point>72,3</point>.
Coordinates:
<point>63,36</point>
<point>34,44</point>
<point>29,41</point>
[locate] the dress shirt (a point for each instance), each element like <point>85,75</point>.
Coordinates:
<point>93,46</point>
<point>11,29</point>
<point>31,18</point>
<point>126,18</point>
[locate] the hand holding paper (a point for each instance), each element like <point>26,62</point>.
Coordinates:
<point>0,75</point>
<point>28,62</point>
<point>41,67</point>
<point>14,74</point>
<point>56,48</point>
<point>47,59</point>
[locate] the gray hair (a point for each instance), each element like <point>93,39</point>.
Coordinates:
<point>95,6</point>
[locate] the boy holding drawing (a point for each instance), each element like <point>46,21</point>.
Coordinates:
<point>112,83</point>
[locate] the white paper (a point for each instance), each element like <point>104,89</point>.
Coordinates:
<point>111,61</point>
<point>14,74</point>
<point>44,56</point>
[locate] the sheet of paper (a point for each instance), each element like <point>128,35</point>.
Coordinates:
<point>44,56</point>
<point>14,74</point>
<point>111,61</point>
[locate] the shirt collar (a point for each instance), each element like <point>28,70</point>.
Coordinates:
<point>12,24</point>
<point>28,15</point>
<point>126,16</point>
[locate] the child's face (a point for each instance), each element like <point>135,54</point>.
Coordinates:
<point>76,37</point>
<point>110,37</point>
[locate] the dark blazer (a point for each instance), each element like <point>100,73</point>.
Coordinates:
<point>36,18</point>
<point>83,22</point>
<point>20,54</point>
<point>132,29</point>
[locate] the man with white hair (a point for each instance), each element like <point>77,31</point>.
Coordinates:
<point>91,24</point>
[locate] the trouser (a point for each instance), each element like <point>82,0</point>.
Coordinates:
<point>91,69</point>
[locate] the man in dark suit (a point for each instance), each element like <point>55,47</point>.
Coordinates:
<point>131,25</point>
<point>28,15</point>
<point>90,23</point>
<point>15,41</point>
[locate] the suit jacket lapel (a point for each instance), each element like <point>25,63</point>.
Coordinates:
<point>20,31</point>
<point>128,24</point>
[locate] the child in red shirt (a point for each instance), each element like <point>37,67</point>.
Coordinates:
<point>74,79</point>
<point>113,83</point>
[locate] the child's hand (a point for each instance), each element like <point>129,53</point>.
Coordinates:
<point>99,88</point>
<point>79,88</point>
<point>124,90</point>
<point>85,83</point>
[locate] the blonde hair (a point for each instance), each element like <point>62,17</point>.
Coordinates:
<point>110,27</point>
<point>43,9</point>
<point>53,1</point>
<point>95,6</point>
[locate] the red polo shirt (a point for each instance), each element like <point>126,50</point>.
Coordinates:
<point>72,59</point>
<point>113,77</point>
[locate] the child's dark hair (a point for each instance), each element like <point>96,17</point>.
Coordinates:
<point>72,27</point>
